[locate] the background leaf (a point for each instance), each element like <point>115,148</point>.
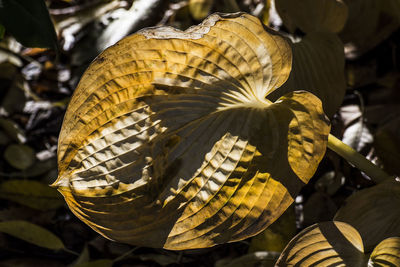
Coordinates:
<point>19,156</point>
<point>369,23</point>
<point>313,16</point>
<point>254,259</point>
<point>31,193</point>
<point>29,22</point>
<point>199,9</point>
<point>96,263</point>
<point>31,233</point>
<point>318,67</point>
<point>277,235</point>
<point>2,31</point>
<point>374,212</point>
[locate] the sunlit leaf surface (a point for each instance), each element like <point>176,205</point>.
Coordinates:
<point>170,141</point>
<point>386,253</point>
<point>325,244</point>
<point>374,212</point>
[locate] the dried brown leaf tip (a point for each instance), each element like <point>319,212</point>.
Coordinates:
<point>170,140</point>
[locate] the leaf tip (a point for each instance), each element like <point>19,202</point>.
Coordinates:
<point>61,182</point>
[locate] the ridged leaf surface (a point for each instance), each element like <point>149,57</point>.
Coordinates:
<point>325,244</point>
<point>169,140</point>
<point>386,253</point>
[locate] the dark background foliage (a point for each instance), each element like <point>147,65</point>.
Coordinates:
<point>44,49</point>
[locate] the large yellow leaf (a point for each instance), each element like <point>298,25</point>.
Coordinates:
<point>386,253</point>
<point>169,140</point>
<point>313,15</point>
<point>374,212</point>
<point>325,244</point>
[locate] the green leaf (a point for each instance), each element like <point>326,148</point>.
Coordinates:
<point>19,156</point>
<point>369,23</point>
<point>31,233</point>
<point>258,258</point>
<point>318,67</point>
<point>277,235</point>
<point>374,212</point>
<point>386,253</point>
<point>96,263</point>
<point>160,259</point>
<point>387,145</point>
<point>83,258</point>
<point>312,16</point>
<point>29,22</point>
<point>12,130</point>
<point>325,244</point>
<point>199,9</point>
<point>2,31</point>
<point>31,193</point>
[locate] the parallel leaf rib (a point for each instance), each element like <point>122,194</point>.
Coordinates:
<point>170,142</point>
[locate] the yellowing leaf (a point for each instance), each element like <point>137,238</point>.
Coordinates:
<point>318,67</point>
<point>31,233</point>
<point>325,244</point>
<point>374,212</point>
<point>386,253</point>
<point>31,193</point>
<point>313,15</point>
<point>169,140</point>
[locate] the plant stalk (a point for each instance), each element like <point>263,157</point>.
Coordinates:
<point>358,160</point>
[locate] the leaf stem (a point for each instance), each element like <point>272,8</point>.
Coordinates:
<point>71,251</point>
<point>358,160</point>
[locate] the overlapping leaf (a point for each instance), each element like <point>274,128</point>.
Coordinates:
<point>337,244</point>
<point>386,253</point>
<point>313,15</point>
<point>29,22</point>
<point>318,67</point>
<point>325,244</point>
<point>374,212</point>
<point>369,23</point>
<point>170,141</point>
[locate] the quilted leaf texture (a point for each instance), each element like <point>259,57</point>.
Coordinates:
<point>325,244</point>
<point>169,140</point>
